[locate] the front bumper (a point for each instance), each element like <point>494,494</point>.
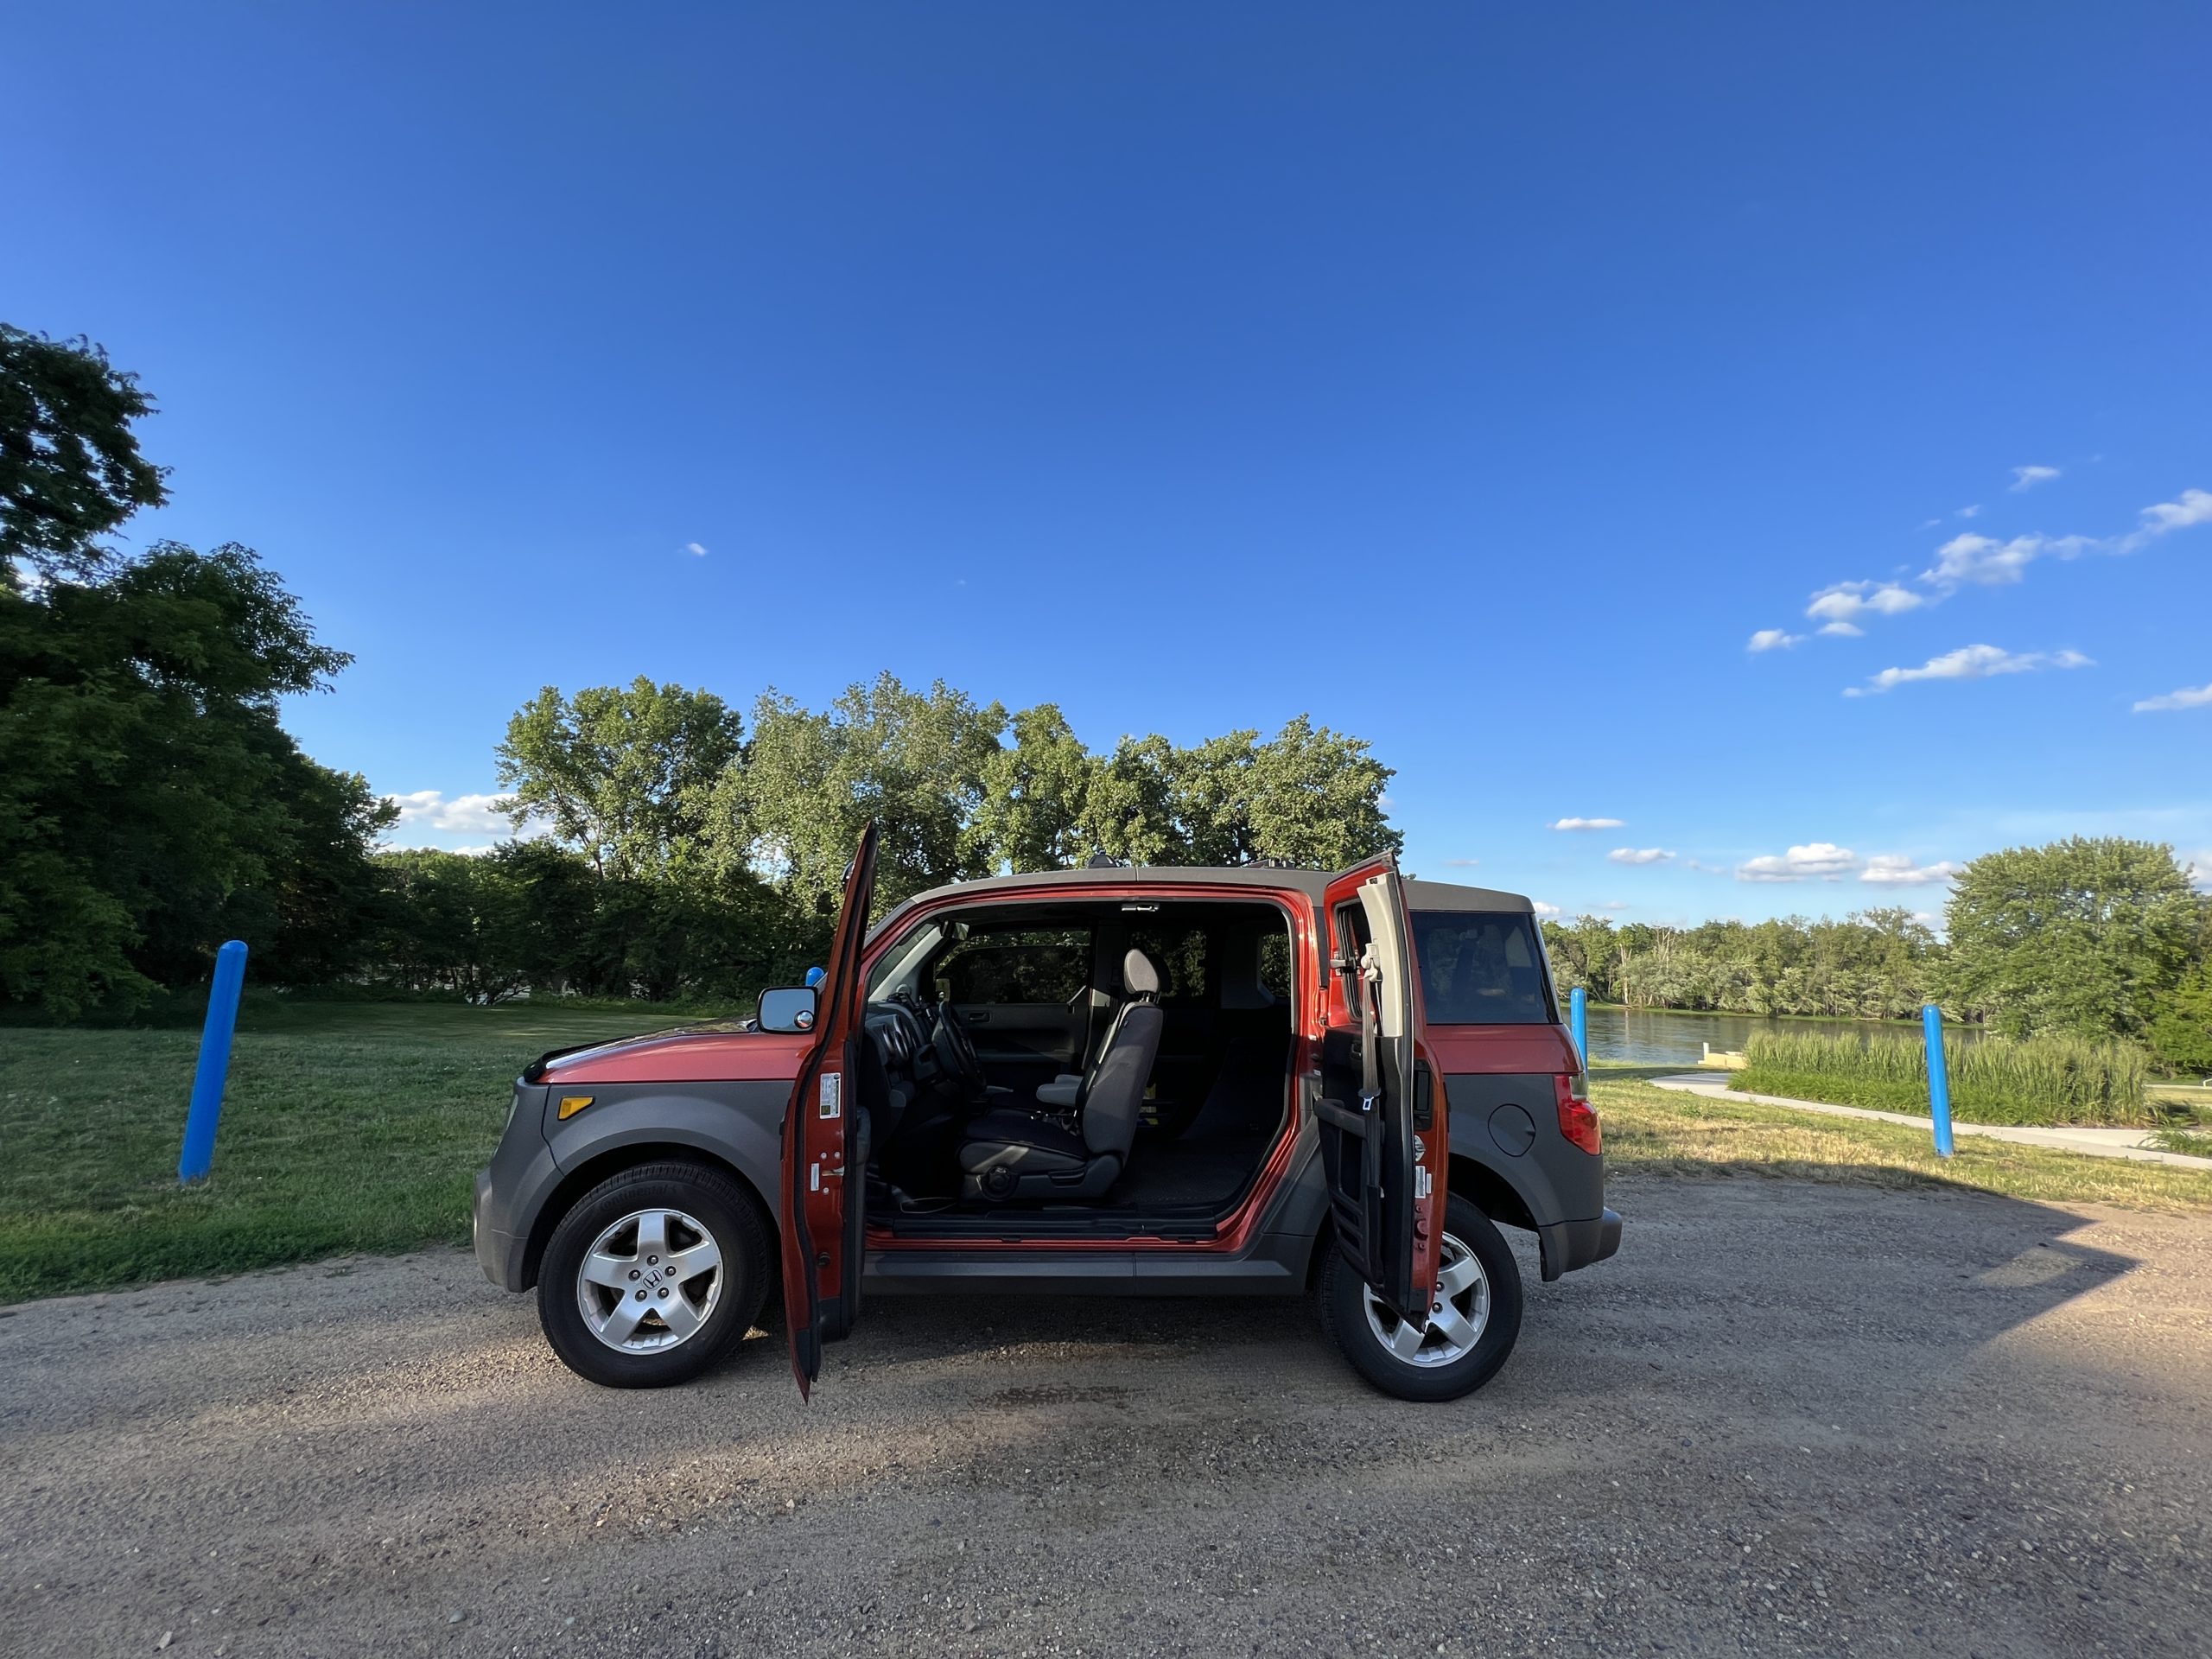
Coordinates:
<point>1567,1245</point>
<point>498,1251</point>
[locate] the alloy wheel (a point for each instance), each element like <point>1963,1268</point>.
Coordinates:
<point>650,1282</point>
<point>1456,1315</point>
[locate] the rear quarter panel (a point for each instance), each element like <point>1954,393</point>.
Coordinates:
<point>1504,1116</point>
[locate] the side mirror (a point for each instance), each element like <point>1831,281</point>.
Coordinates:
<point>789,1008</point>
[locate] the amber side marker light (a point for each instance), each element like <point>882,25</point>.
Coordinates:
<point>571,1105</point>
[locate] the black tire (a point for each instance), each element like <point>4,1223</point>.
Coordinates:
<point>1344,1316</point>
<point>731,1215</point>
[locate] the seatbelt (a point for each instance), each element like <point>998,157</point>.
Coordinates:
<point>1371,1074</point>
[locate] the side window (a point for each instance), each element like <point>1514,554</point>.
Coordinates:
<point>1034,964</point>
<point>1179,953</point>
<point>1480,969</point>
<point>1274,964</point>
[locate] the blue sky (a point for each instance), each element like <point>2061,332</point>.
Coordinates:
<point>1482,380</point>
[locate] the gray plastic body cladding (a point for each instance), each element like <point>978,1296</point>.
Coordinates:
<point>1562,1187</point>
<point>522,1166</point>
<point>740,1124</point>
<point>1274,1266</point>
<point>736,1123</point>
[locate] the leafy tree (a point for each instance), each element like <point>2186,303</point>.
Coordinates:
<point>452,924</point>
<point>1314,797</point>
<point>1877,964</point>
<point>625,773</point>
<point>1035,791</point>
<point>1131,810</point>
<point>70,470</point>
<point>914,761</point>
<point>2181,1027</point>
<point>2083,935</point>
<point>151,803</point>
<point>1309,796</point>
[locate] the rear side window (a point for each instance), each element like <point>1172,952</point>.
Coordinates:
<point>1480,968</point>
<point>1017,965</point>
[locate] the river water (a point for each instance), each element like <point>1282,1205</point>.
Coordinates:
<point>1657,1037</point>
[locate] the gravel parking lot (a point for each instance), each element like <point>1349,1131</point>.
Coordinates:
<point>1787,1417</point>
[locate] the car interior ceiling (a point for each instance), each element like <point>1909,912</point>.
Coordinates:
<point>1105,1058</point>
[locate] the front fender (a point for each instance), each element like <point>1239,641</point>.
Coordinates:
<point>740,1124</point>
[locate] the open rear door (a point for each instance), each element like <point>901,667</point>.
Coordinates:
<point>1383,1137</point>
<point>825,1147</point>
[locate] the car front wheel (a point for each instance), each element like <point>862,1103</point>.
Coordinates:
<point>653,1275</point>
<point>1472,1324</point>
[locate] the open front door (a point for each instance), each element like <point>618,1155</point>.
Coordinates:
<point>825,1147</point>
<point>1383,1140</point>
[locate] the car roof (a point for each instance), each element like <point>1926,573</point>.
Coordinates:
<point>1420,895</point>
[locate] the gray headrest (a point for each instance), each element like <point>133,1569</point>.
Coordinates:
<point>1138,976</point>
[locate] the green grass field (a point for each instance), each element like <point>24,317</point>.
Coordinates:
<point>357,1127</point>
<point>346,1127</point>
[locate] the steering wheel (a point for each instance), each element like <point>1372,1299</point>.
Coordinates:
<point>956,1054</point>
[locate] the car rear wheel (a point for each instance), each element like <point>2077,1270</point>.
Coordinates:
<point>1472,1323</point>
<point>652,1276</point>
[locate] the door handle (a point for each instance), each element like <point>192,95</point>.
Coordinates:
<point>979,1017</point>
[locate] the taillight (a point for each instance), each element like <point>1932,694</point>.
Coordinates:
<point>1578,1118</point>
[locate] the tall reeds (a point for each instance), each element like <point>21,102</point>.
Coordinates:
<point>2040,1080</point>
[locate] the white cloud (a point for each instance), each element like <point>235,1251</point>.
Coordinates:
<point>695,549</point>
<point>1847,601</point>
<point>2026,478</point>
<point>1639,855</point>
<point>1844,630</point>
<point>1974,512</point>
<point>1971,663</point>
<point>1895,870</point>
<point>1585,824</point>
<point>2189,696</point>
<point>1969,557</point>
<point>1543,909</point>
<point>1823,859</point>
<point>1463,863</point>
<point>2195,507</point>
<point>1773,640</point>
<point>2200,869</point>
<point>467,815</point>
<point>1985,559</point>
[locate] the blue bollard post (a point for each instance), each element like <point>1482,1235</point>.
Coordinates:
<point>1578,1013</point>
<point>214,1063</point>
<point>1939,1077</point>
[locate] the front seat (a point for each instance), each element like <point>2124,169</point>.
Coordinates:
<point>1016,1154</point>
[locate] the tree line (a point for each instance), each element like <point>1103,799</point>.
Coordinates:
<point>2101,938</point>
<point>675,854</point>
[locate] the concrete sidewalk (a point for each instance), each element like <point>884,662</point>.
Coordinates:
<point>2099,1143</point>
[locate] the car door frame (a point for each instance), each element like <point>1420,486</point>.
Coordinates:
<point>1386,1159</point>
<point>825,1145</point>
